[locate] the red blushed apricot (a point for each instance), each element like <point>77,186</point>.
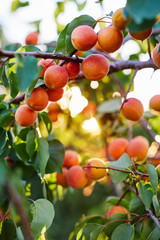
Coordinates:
<point>72,68</point>
<point>93,168</point>
<point>55,95</point>
<point>83,38</point>
<point>45,63</point>
<point>55,77</point>
<point>95,67</point>
<point>118,20</point>
<point>32,38</point>
<point>138,148</point>
<point>71,158</point>
<point>110,39</point>
<point>25,116</point>
<point>141,35</point>
<point>53,116</point>
<point>156,55</point>
<point>117,147</point>
<point>154,103</point>
<point>61,178</point>
<point>38,99</point>
<point>132,109</point>
<point>116,209</point>
<point>76,177</point>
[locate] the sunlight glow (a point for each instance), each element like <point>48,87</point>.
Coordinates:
<point>91,126</point>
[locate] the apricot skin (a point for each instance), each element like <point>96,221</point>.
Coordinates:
<point>132,109</point>
<point>118,20</point>
<point>45,63</point>
<point>110,39</point>
<point>141,35</point>
<point>53,111</point>
<point>71,158</point>
<point>38,99</point>
<point>32,38</point>
<point>116,209</point>
<point>25,116</point>
<point>90,110</point>
<point>61,178</point>
<point>55,77</point>
<point>154,102</point>
<point>117,147</point>
<point>76,177</point>
<point>156,56</point>
<point>95,67</point>
<point>93,172</point>
<point>83,38</point>
<point>72,68</point>
<point>55,95</point>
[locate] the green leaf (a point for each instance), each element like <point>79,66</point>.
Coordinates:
<point>61,39</point>
<point>110,106</point>
<point>8,230</point>
<point>156,205</point>
<point>10,71</point>
<point>124,231</point>
<point>43,214</point>
<point>146,195</point>
<point>94,235</point>
<point>134,27</point>
<point>122,163</point>
<point>28,48</point>
<point>20,234</point>
<point>18,4</point>
<point>155,234</point>
<point>20,149</point>
<point>114,200</point>
<point>47,121</point>
<point>3,138</point>
<point>43,154</point>
<point>91,228</point>
<point>31,143</point>
<point>3,177</point>
<point>6,117</point>
<point>153,176</point>
<point>137,206</point>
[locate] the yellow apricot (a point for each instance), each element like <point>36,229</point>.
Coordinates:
<point>95,168</point>
<point>118,20</point>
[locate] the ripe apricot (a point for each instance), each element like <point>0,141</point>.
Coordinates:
<point>45,63</point>
<point>32,38</point>
<point>118,20</point>
<point>71,158</point>
<point>95,67</point>
<point>55,95</point>
<point>76,177</point>
<point>38,99</point>
<point>138,148</point>
<point>141,35</point>
<point>117,147</point>
<point>72,68</point>
<point>98,47</point>
<point>110,39</point>
<point>61,177</point>
<point>156,55</point>
<point>90,110</point>
<point>55,77</point>
<point>25,116</point>
<point>53,111</point>
<point>154,102</point>
<point>83,38</point>
<point>116,209</point>
<point>93,172</point>
<point>132,109</point>
<point>80,53</point>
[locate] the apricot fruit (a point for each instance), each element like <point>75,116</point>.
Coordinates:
<point>117,147</point>
<point>32,38</point>
<point>116,209</point>
<point>141,35</point>
<point>154,103</point>
<point>53,111</point>
<point>55,77</point>
<point>92,168</point>
<point>156,56</point>
<point>55,95</point>
<point>45,63</point>
<point>98,47</point>
<point>38,99</point>
<point>110,39</point>
<point>83,38</point>
<point>95,67</point>
<point>61,178</point>
<point>76,177</point>
<point>25,116</point>
<point>138,148</point>
<point>71,158</point>
<point>132,109</point>
<point>118,20</point>
<point>72,68</point>
<point>90,110</point>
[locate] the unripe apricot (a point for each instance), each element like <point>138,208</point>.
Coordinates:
<point>61,177</point>
<point>95,67</point>
<point>76,177</point>
<point>154,102</point>
<point>132,109</point>
<point>38,99</point>
<point>32,38</point>
<point>156,55</point>
<point>45,63</point>
<point>71,158</point>
<point>117,147</point>
<point>25,116</point>
<point>138,148</point>
<point>110,39</point>
<point>72,68</point>
<point>116,209</point>
<point>93,172</point>
<point>141,35</point>
<point>118,20</point>
<point>55,77</point>
<point>83,38</point>
<point>55,95</point>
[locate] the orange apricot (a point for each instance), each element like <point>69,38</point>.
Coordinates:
<point>90,110</point>
<point>25,116</point>
<point>141,35</point>
<point>118,19</point>
<point>55,95</point>
<point>98,47</point>
<point>45,63</point>
<point>71,158</point>
<point>95,67</point>
<point>72,68</point>
<point>132,109</point>
<point>117,147</point>
<point>93,168</point>
<point>32,38</point>
<point>53,111</point>
<point>80,53</point>
<point>55,77</point>
<point>138,148</point>
<point>38,99</point>
<point>83,38</point>
<point>61,178</point>
<point>116,209</point>
<point>76,177</point>
<point>154,103</point>
<point>157,19</point>
<point>156,56</point>
<point>110,39</point>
